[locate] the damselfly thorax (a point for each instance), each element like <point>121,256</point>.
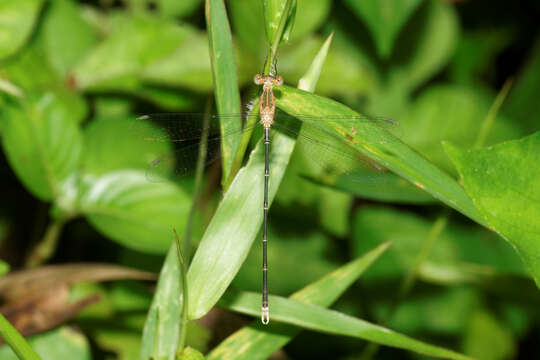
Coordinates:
<point>267,101</point>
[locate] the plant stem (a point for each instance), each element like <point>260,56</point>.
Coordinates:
<point>16,341</point>
<point>47,245</point>
<point>493,110</point>
<point>183,320</point>
<point>186,245</point>
<point>410,278</point>
<point>271,59</point>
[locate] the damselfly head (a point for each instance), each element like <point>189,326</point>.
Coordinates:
<point>258,79</point>
<point>278,80</point>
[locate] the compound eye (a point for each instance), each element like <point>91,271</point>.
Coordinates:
<point>258,79</point>
<point>278,81</point>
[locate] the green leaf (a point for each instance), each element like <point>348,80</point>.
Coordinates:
<point>66,37</point>
<point>503,181</point>
<point>358,79</point>
<point>258,342</point>
<point>384,18</point>
<point>487,338</point>
<point>388,187</point>
<point>110,144</point>
<point>30,70</point>
<point>135,44</point>
<point>310,15</point>
<point>191,354</point>
<point>16,342</point>
<point>454,307</point>
<point>226,92</point>
<point>328,321</point>
<point>476,54</point>
<point>187,66</point>
<point>309,81</point>
<point>273,13</point>
<point>284,253</point>
<point>42,141</point>
<point>16,22</point>
<point>4,267</point>
<point>434,32</point>
<point>162,326</point>
<point>521,101</point>
<point>453,113</point>
<point>459,249</point>
<point>60,344</point>
<point>392,154</point>
<point>246,19</point>
<point>175,8</point>
<point>166,97</point>
<point>136,213</point>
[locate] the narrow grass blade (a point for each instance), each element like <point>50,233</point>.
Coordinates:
<point>317,318</point>
<point>256,341</point>
<point>15,340</point>
<point>394,155</point>
<point>225,78</point>
<point>162,326</point>
<point>279,16</point>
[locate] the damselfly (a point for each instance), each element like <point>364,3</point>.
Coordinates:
<point>314,137</point>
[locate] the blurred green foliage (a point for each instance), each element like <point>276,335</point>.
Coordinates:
<point>74,76</point>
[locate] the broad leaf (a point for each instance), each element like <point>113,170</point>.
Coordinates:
<point>139,214</point>
<point>488,338</point>
<point>258,342</point>
<point>452,113</point>
<point>310,15</point>
<point>434,32</point>
<point>521,101</point>
<point>460,252</point>
<point>17,18</point>
<point>42,141</point>
<point>135,44</point>
<point>110,143</point>
<point>504,183</point>
<point>313,248</point>
<point>187,66</point>
<point>175,8</point>
<point>358,79</point>
<point>246,19</point>
<point>65,36</point>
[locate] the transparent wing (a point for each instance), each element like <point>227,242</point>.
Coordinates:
<point>352,124</point>
<point>320,145</point>
<point>183,132</point>
<point>326,156</point>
